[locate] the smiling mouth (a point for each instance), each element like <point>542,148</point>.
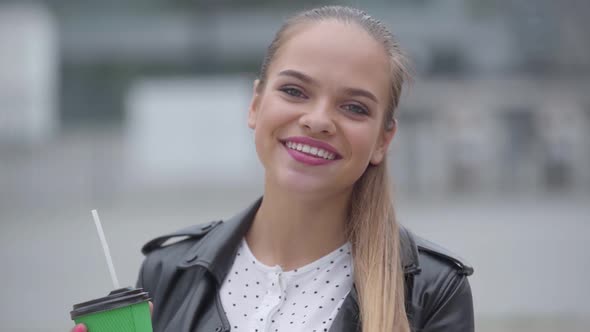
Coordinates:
<point>310,150</point>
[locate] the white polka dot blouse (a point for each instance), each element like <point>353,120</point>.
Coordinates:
<point>262,298</point>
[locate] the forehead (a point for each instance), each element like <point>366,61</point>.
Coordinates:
<point>336,53</point>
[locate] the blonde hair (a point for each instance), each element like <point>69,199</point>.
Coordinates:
<point>372,227</point>
<point>374,234</point>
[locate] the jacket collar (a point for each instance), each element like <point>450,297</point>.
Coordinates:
<point>221,244</point>
<point>223,240</point>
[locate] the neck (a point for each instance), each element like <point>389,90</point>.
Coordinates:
<point>295,229</point>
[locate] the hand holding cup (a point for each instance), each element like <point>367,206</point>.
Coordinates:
<point>82,327</point>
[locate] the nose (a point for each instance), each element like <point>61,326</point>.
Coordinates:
<point>319,120</point>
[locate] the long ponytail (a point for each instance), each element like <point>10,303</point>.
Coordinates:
<point>373,232</point>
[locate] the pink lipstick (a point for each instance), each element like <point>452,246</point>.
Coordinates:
<point>310,151</point>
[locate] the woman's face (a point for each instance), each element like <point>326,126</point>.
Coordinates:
<point>318,119</point>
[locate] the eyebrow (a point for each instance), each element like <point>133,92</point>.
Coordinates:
<point>361,93</point>
<point>298,75</point>
<point>353,92</point>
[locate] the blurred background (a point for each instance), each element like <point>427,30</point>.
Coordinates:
<point>137,108</point>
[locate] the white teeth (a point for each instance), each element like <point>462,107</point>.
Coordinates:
<point>312,150</point>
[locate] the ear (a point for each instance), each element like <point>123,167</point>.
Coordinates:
<point>254,103</point>
<point>386,136</point>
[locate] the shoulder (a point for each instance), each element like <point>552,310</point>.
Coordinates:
<point>421,255</point>
<point>164,253</point>
<point>442,273</point>
<point>173,241</point>
<point>434,257</point>
<point>439,270</point>
<point>440,290</point>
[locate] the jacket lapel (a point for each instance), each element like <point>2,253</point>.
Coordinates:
<point>222,242</point>
<point>347,319</point>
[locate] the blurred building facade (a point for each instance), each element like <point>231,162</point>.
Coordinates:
<point>28,74</point>
<point>500,101</point>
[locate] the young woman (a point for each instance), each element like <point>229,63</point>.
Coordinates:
<point>321,251</point>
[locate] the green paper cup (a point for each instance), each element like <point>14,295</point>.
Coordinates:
<point>123,310</point>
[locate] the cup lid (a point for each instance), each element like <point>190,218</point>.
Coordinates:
<point>116,299</point>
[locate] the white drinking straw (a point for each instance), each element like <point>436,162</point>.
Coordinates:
<point>105,247</point>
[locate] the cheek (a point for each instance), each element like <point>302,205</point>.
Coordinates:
<point>363,141</point>
<point>274,115</point>
<point>271,118</point>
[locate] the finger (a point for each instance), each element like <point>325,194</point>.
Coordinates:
<point>151,309</point>
<point>80,328</point>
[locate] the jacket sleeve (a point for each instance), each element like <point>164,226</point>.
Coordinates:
<point>140,282</point>
<point>150,274</point>
<point>454,309</point>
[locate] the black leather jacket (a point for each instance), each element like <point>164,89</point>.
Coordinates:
<point>183,280</point>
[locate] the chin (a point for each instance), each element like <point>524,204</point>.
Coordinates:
<point>310,186</point>
<point>293,183</point>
